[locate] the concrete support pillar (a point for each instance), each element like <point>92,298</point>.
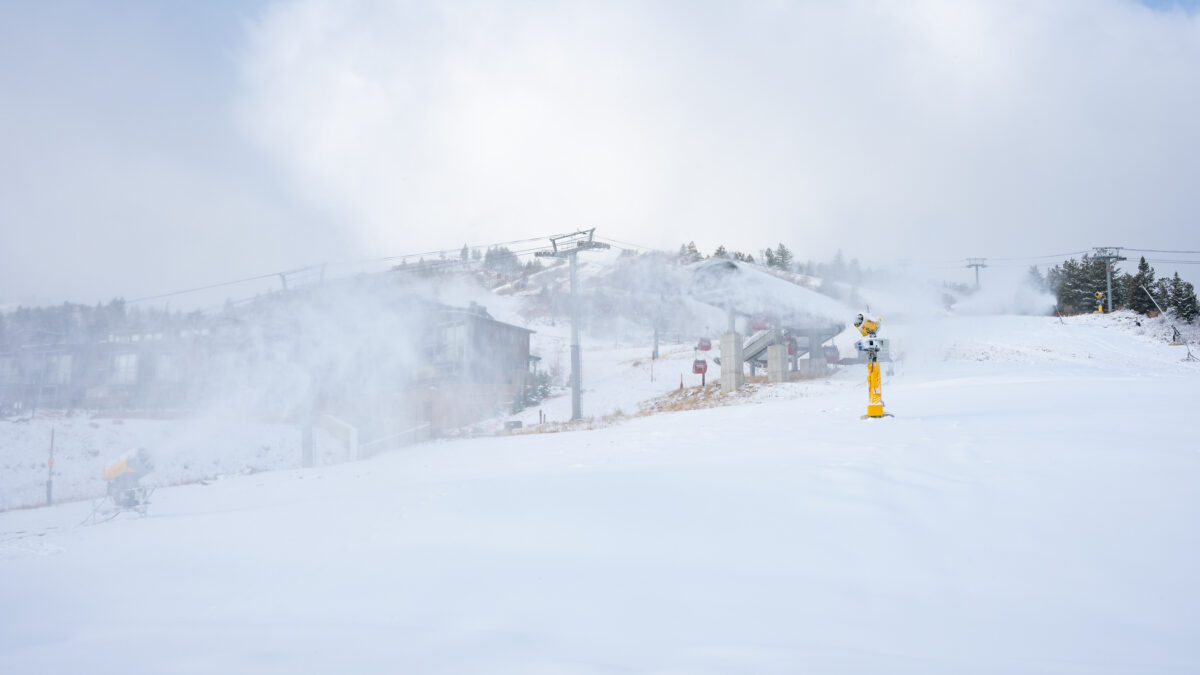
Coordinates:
<point>777,363</point>
<point>814,365</point>
<point>816,351</point>
<point>732,375</point>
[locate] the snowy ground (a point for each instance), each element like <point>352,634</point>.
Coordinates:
<point>184,451</point>
<point>1032,508</point>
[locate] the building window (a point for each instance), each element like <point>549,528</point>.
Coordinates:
<point>125,368</point>
<point>454,343</point>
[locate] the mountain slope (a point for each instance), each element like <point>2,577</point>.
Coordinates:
<point>1017,515</point>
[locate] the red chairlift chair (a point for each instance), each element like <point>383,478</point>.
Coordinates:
<point>700,366</point>
<point>705,344</point>
<point>831,353</point>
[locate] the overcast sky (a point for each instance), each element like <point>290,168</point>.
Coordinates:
<point>149,147</point>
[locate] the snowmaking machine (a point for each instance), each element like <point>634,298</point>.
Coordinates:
<point>871,346</point>
<point>123,477</point>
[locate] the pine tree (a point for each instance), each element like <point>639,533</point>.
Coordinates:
<point>1162,293</point>
<point>1034,279</point>
<point>854,272</point>
<point>769,256</point>
<point>1095,280</point>
<point>1075,284</point>
<point>839,266</point>
<point>783,257</point>
<point>465,253</point>
<point>688,253</point>
<point>720,252</point>
<point>501,258</point>
<point>1183,299</point>
<point>1138,300</point>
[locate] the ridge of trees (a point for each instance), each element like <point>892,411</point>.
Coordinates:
<point>1075,284</point>
<point>782,258</point>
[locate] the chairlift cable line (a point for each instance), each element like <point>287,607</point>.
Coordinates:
<point>273,275</point>
<point>1154,250</point>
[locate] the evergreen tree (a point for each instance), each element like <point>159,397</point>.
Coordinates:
<point>500,258</point>
<point>854,272</point>
<point>783,257</point>
<point>465,253</point>
<point>1138,300</point>
<point>1095,280</point>
<point>1162,293</point>
<point>1183,299</point>
<point>769,256</point>
<point>1034,279</point>
<point>839,266</point>
<point>1075,284</point>
<point>720,252</point>
<point>688,253</point>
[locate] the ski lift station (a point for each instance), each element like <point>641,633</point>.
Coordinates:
<point>785,324</point>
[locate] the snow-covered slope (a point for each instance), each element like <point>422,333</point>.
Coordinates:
<point>184,450</point>
<point>1031,508</point>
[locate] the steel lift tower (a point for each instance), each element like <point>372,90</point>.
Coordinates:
<point>1109,254</point>
<point>976,263</point>
<point>568,246</point>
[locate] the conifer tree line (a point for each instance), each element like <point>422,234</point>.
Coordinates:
<point>782,258</point>
<point>1076,282</point>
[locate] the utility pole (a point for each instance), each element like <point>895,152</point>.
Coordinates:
<point>976,263</point>
<point>1109,254</point>
<point>50,472</point>
<point>568,246</point>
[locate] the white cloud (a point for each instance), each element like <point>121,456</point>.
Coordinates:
<point>920,129</point>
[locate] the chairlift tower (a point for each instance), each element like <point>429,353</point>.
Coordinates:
<point>1109,254</point>
<point>568,246</point>
<point>976,263</point>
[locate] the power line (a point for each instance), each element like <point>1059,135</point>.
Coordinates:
<point>284,274</point>
<point>1154,250</point>
<point>1042,257</point>
<point>452,250</point>
<point>208,287</point>
<point>625,243</point>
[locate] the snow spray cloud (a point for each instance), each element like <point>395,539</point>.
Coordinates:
<point>1007,294</point>
<point>922,129</point>
<point>348,347</point>
<point>749,290</point>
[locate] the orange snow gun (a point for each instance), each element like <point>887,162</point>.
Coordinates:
<point>116,470</point>
<point>868,327</point>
